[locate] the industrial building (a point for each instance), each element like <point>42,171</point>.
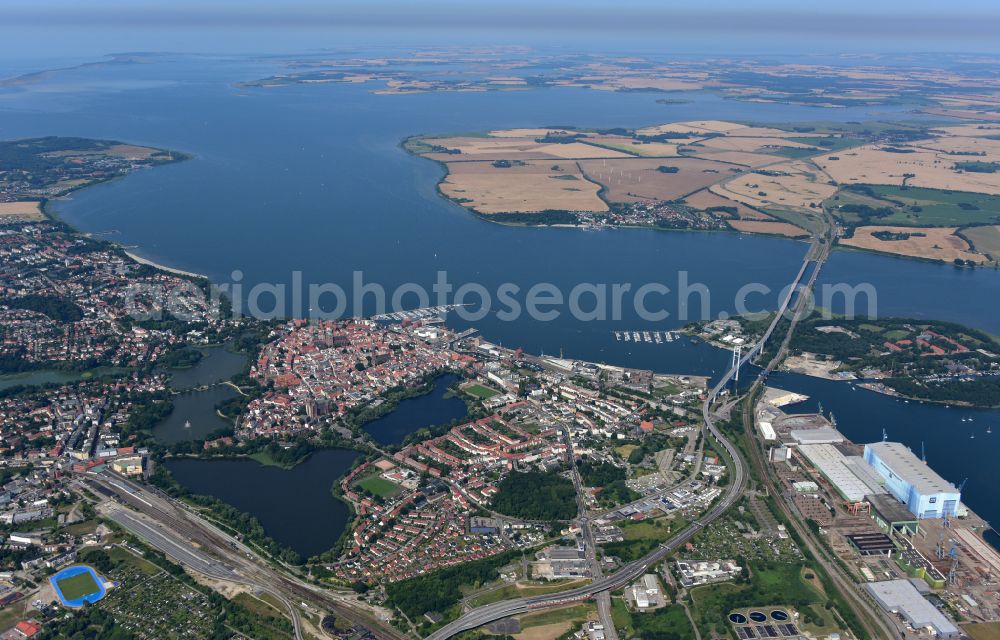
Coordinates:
<point>911,481</point>
<point>892,515</point>
<point>872,544</point>
<point>821,435</point>
<point>901,597</point>
<point>849,475</point>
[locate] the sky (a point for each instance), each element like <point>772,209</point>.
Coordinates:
<point>90,27</point>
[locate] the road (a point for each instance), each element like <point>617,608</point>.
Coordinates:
<point>186,537</point>
<point>603,598</point>
<point>871,616</point>
<point>633,570</point>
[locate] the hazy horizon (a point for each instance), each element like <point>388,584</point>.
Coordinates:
<point>65,29</point>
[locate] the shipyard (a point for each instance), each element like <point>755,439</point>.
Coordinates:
<point>884,512</point>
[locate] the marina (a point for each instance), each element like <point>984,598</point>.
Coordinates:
<point>656,337</point>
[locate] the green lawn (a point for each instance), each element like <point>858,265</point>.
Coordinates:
<point>379,486</point>
<point>78,586</point>
<point>480,391</point>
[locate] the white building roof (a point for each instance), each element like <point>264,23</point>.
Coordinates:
<point>903,597</point>
<point>898,457</point>
<point>766,430</point>
<point>839,470</point>
<point>823,435</point>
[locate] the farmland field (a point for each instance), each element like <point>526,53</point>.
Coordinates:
<point>918,206</point>
<point>932,243</point>
<point>986,240</point>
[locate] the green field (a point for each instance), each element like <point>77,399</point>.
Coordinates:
<point>576,614</point>
<point>985,240</point>
<point>828,144</point>
<point>519,591</point>
<point>78,586</point>
<point>379,486</point>
<point>987,631</point>
<point>639,538</point>
<point>918,207</point>
<point>480,391</point>
<point>771,584</point>
<point>668,622</point>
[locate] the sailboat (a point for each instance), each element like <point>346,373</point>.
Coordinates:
<point>989,429</point>
<point>187,424</point>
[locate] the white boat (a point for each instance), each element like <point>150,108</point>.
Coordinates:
<point>187,424</point>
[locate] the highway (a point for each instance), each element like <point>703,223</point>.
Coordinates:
<point>632,571</point>
<point>870,615</point>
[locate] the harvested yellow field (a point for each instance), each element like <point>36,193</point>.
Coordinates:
<point>619,82</point>
<point>639,179</point>
<point>932,169</point>
<point>675,127</point>
<point>523,133</point>
<point>773,228</point>
<point>752,144</point>
<point>27,210</point>
<point>964,145</point>
<point>791,185</point>
<point>718,126</point>
<point>970,130</point>
<point>765,132</point>
<point>628,145</point>
<point>510,148</point>
<point>963,114</point>
<point>574,150</point>
<point>528,187</point>
<point>741,158</point>
<point>705,199</point>
<point>663,84</point>
<point>130,151</point>
<point>935,243</point>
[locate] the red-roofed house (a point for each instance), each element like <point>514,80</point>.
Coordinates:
<point>27,628</point>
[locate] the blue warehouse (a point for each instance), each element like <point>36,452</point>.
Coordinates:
<point>911,481</point>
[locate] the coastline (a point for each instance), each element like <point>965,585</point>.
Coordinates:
<point>47,213</point>
<point>806,234</point>
<point>148,262</point>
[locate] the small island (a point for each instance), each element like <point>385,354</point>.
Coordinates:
<point>928,360</point>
